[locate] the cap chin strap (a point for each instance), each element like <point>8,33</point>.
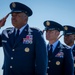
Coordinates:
<point>60,36</point>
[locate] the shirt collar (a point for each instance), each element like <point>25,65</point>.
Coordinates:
<point>55,44</point>
<point>21,29</point>
<point>72,46</point>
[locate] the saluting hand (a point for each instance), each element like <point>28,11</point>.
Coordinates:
<point>2,21</point>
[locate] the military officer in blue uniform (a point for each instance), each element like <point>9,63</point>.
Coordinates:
<point>60,58</point>
<point>69,33</point>
<point>24,54</point>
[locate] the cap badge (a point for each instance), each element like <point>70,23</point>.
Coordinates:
<point>66,28</point>
<point>26,49</point>
<point>57,63</point>
<point>48,23</point>
<point>13,5</point>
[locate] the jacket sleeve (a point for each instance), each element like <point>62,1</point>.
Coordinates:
<point>41,58</point>
<point>0,40</point>
<point>69,62</point>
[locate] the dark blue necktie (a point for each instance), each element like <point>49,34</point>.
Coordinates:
<point>17,34</point>
<point>50,51</point>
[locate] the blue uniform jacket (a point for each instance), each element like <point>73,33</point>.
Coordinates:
<point>27,55</point>
<point>61,61</point>
<point>73,50</point>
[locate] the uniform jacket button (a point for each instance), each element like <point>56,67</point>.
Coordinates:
<point>10,66</point>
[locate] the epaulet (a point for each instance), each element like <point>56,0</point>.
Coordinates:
<point>64,46</point>
<point>10,28</point>
<point>36,29</point>
<point>8,31</point>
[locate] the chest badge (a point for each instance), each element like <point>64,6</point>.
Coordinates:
<point>27,49</point>
<point>57,62</point>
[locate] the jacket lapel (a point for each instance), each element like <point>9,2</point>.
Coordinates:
<point>21,36</point>
<point>57,49</point>
<point>10,40</point>
<point>73,50</point>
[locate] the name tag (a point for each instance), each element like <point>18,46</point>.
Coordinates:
<point>4,41</point>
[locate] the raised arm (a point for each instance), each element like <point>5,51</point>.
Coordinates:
<point>2,21</point>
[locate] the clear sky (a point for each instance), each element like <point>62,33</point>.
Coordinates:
<point>61,11</point>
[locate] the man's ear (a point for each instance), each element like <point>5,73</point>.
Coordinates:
<point>74,37</point>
